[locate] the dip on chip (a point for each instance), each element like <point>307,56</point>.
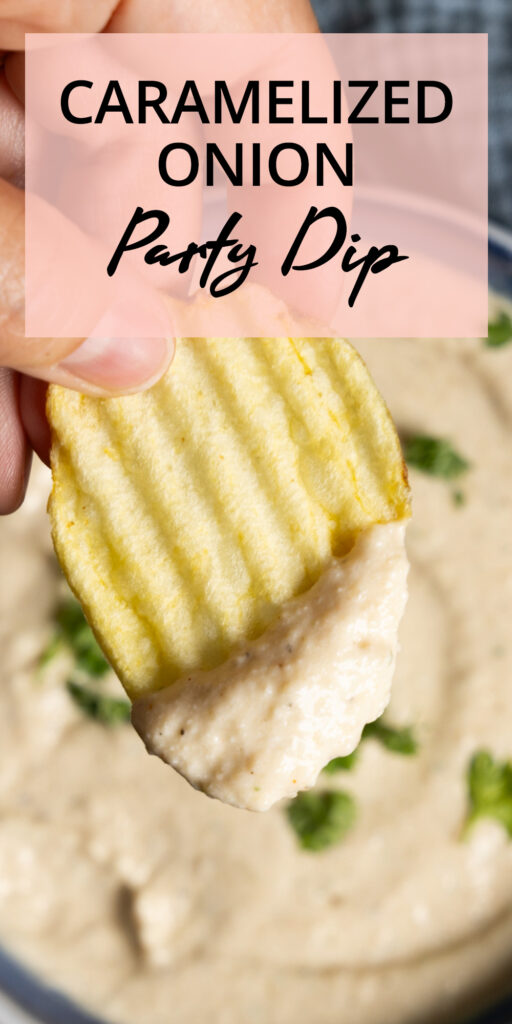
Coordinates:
<point>236,538</point>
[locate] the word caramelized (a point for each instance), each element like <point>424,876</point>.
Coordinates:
<point>279,102</point>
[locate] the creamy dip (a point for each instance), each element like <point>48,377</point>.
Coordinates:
<point>148,902</point>
<point>262,725</point>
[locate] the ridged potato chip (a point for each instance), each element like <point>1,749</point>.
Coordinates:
<point>187,516</point>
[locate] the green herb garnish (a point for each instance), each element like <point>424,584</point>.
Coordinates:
<point>321,818</point>
<point>490,791</point>
<point>104,709</point>
<point>500,331</point>
<point>77,632</point>
<point>434,455</point>
<point>74,632</point>
<point>458,498</point>
<point>398,741</point>
<point>342,764</point>
<point>70,618</point>
<point>52,648</point>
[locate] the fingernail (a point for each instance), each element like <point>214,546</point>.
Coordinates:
<point>112,362</point>
<point>120,364</point>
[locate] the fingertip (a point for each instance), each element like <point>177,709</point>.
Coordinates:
<point>15,454</point>
<point>111,361</point>
<point>115,366</point>
<point>14,476</point>
<point>32,400</point>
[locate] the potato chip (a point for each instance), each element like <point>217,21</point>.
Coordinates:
<point>187,516</point>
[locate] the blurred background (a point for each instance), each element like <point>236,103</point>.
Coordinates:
<point>491,16</point>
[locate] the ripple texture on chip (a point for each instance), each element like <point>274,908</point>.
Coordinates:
<point>184,517</point>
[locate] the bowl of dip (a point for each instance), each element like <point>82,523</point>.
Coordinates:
<point>126,896</point>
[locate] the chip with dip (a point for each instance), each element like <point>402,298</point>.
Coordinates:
<point>236,538</point>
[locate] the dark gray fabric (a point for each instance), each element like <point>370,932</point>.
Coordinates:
<point>491,16</point>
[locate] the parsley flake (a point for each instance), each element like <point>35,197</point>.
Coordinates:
<point>321,818</point>
<point>500,331</point>
<point>489,790</point>
<point>104,709</point>
<point>398,741</point>
<point>52,648</point>
<point>434,455</point>
<point>342,764</point>
<point>74,632</point>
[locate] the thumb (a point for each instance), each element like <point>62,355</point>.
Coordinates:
<point>100,365</point>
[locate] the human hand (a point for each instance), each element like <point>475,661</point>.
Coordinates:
<point>98,366</point>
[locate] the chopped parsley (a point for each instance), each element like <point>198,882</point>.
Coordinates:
<point>458,498</point>
<point>104,709</point>
<point>77,632</point>
<point>342,764</point>
<point>73,631</point>
<point>321,818</point>
<point>489,791</point>
<point>398,741</point>
<point>500,331</point>
<point>52,648</point>
<point>434,455</point>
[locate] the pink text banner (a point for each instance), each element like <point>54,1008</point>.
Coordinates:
<point>231,178</point>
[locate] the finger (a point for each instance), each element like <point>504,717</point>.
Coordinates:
<point>268,222</point>
<point>109,362</point>
<point>97,180</point>
<point>14,69</point>
<point>20,16</point>
<point>14,450</point>
<point>122,172</point>
<point>12,135</point>
<point>272,214</point>
<point>221,16</point>
<point>32,401</point>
